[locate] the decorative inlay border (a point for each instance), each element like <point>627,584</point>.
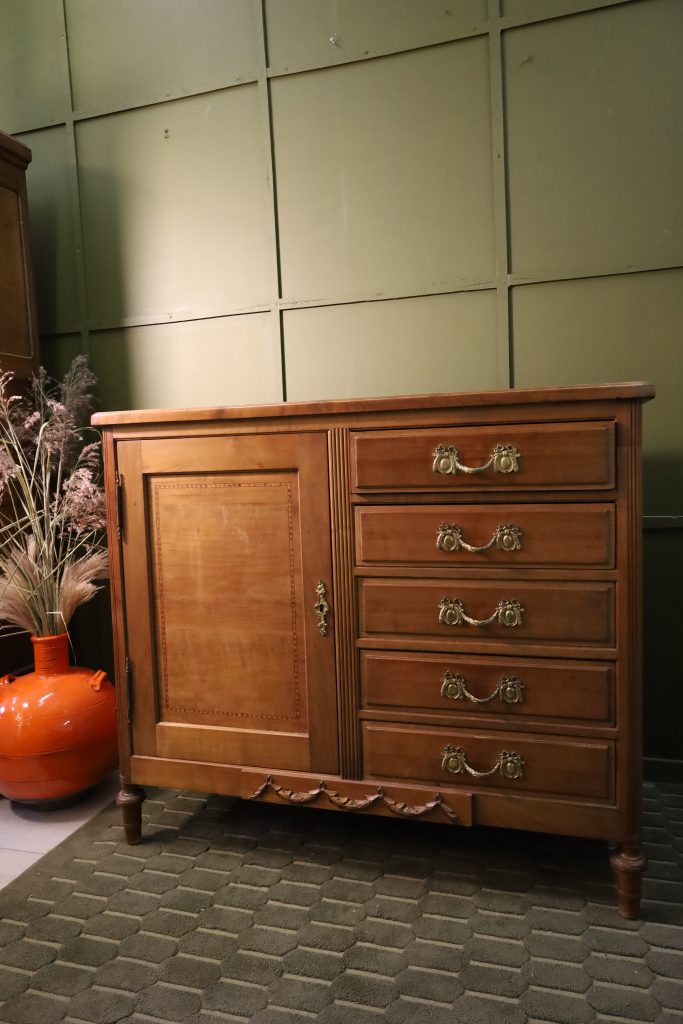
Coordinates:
<point>184,485</point>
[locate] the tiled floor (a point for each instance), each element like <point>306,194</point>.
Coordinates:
<point>26,833</point>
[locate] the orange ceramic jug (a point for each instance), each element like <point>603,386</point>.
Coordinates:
<point>57,726</point>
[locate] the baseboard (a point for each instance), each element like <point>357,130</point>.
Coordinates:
<point>662,769</point>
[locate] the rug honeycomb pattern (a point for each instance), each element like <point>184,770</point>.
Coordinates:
<point>232,911</point>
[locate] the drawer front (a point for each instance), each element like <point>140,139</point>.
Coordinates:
<point>510,610</point>
<point>511,762</point>
<point>513,458</point>
<point>481,535</point>
<point>520,688</point>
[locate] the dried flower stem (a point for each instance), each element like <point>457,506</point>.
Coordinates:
<point>52,545</point>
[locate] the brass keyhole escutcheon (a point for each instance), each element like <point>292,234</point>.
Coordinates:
<point>321,607</point>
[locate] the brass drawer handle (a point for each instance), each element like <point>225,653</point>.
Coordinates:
<point>509,764</point>
<point>510,690</point>
<point>321,607</point>
<point>505,537</point>
<point>507,613</point>
<point>503,459</point>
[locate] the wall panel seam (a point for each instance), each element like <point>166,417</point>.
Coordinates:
<point>520,280</point>
<point>40,126</point>
<point>500,199</point>
<point>74,193</point>
<point>559,10</point>
<point>266,129</point>
<point>304,69</point>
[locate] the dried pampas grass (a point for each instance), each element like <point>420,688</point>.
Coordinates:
<point>52,516</point>
<point>44,604</point>
<point>78,582</point>
<point>20,580</point>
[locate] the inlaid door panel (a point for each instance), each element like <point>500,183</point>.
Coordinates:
<point>237,535</point>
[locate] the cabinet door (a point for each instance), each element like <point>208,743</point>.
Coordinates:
<point>224,542</point>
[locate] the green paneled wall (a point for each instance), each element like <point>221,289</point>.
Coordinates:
<point>242,201</point>
<point>384,183</point>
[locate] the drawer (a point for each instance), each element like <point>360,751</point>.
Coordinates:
<point>519,688</point>
<point>514,458</point>
<point>481,535</point>
<point>512,762</point>
<point>516,611</point>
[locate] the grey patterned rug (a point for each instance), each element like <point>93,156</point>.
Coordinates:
<point>230,911</point>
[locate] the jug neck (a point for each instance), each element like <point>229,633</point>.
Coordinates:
<point>50,654</point>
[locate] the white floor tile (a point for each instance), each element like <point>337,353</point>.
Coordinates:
<point>32,830</point>
<point>13,863</point>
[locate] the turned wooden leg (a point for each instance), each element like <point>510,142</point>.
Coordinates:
<point>629,866</point>
<point>129,799</point>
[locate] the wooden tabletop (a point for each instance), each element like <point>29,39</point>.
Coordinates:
<point>511,396</point>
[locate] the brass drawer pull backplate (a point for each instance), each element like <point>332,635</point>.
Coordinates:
<point>506,538</point>
<point>503,459</point>
<point>507,613</point>
<point>509,764</point>
<point>510,690</point>
<point>321,607</point>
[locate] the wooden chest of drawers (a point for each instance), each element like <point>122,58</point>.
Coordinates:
<point>421,607</point>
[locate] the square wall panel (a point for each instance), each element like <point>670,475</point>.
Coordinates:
<point>49,181</point>
<point>32,64</point>
<point>137,51</point>
<point>232,360</point>
<point>175,209</point>
<point>595,140</point>
<point>613,329</point>
<point>302,33</point>
<point>384,177</point>
<point>402,346</point>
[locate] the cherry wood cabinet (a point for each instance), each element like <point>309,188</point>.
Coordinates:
<point>425,607</point>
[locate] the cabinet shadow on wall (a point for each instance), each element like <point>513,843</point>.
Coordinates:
<point>662,622</point>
